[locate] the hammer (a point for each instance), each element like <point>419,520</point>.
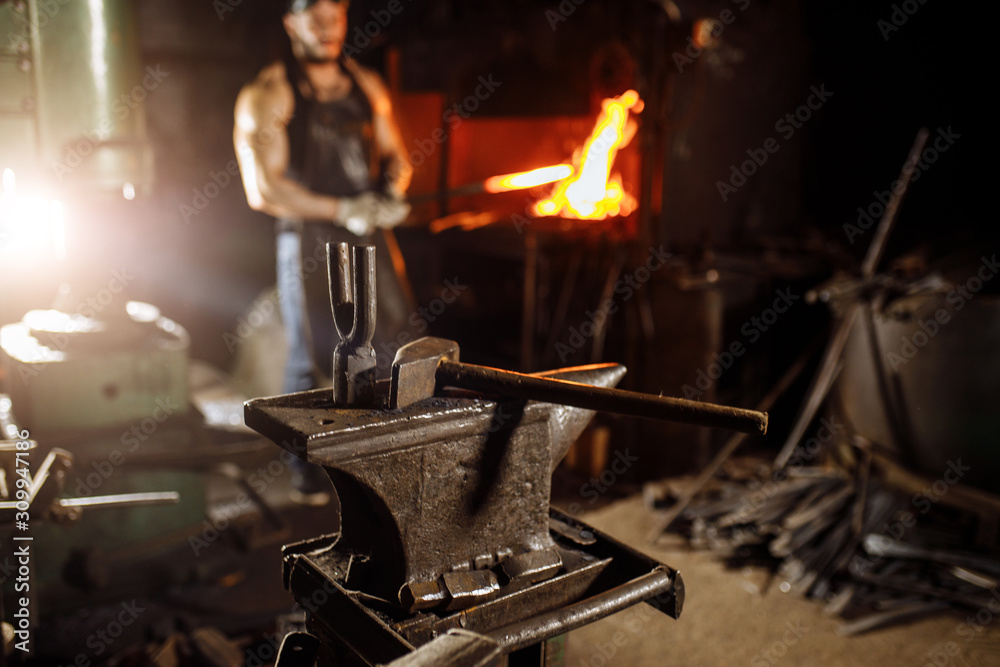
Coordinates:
<point>425,366</point>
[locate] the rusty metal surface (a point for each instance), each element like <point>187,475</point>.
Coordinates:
<point>594,581</point>
<point>433,487</point>
<point>531,631</point>
<point>533,566</point>
<point>414,370</point>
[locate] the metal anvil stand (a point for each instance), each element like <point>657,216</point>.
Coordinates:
<point>448,552</point>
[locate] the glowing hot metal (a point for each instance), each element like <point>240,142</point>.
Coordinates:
<point>594,193</point>
<point>528,179</point>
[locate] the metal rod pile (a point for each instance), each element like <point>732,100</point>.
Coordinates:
<point>873,556</point>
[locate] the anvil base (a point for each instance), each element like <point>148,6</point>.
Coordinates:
<point>599,577</point>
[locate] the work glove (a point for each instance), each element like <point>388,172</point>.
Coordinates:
<point>363,214</point>
<point>390,211</point>
<point>358,214</point>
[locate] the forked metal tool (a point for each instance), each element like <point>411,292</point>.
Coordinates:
<point>352,297</point>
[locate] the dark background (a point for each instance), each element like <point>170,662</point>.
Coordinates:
<point>884,90</point>
<point>206,271</point>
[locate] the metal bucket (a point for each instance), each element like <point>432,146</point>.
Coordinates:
<point>921,377</point>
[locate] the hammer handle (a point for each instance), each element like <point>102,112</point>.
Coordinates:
<point>551,390</point>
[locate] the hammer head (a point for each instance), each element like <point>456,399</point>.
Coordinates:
<point>415,367</point>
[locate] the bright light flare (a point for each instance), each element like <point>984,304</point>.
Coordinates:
<point>528,179</point>
<point>31,224</point>
<point>594,193</point>
<point>18,342</point>
<point>57,220</point>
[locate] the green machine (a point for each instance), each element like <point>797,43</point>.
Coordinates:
<point>72,130</point>
<point>71,114</point>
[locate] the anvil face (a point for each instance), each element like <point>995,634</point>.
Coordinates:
<point>444,485</point>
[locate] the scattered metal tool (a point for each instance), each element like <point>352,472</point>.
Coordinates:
<point>803,527</point>
<point>46,487</point>
<point>883,618</point>
<point>729,448</point>
<point>883,545</point>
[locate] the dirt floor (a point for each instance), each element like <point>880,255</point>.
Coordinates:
<point>728,621</point>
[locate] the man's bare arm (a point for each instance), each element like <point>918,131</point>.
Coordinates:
<point>263,110</point>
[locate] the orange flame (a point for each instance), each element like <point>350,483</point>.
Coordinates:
<point>594,193</point>
<point>528,179</point>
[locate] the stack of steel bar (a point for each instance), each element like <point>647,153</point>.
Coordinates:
<point>874,556</point>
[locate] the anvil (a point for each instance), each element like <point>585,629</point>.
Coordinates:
<point>443,485</point>
<point>445,516</point>
<point>445,523</point>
